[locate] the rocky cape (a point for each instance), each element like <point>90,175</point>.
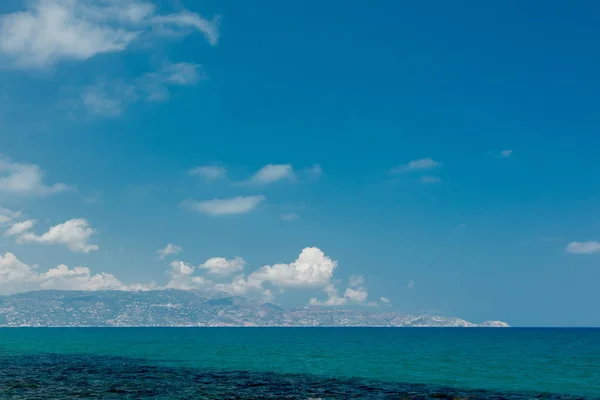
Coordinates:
<point>184,308</point>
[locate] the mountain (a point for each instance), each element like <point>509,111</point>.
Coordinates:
<point>69,308</point>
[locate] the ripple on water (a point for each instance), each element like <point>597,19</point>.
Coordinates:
<point>47,376</point>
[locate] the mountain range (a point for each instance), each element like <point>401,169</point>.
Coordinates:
<point>114,308</point>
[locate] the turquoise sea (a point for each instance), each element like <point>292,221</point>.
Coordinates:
<point>292,363</point>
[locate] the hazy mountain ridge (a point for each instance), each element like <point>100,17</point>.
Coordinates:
<point>54,308</point>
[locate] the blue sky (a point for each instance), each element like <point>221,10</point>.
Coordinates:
<point>451,145</point>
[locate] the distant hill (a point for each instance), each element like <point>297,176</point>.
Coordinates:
<point>113,308</point>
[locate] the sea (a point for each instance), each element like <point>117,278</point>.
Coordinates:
<point>299,363</point>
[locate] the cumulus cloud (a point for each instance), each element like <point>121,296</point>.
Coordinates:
<point>25,179</point>
<point>74,233</point>
<point>50,31</point>
<point>289,217</point>
<point>223,266</point>
<point>272,173</point>
<point>16,276</point>
<point>384,300</point>
<point>421,164</point>
<point>220,207</point>
<point>19,227</point>
<point>209,172</point>
<point>506,153</point>
<point>169,249</point>
<point>182,277</point>
<point>314,172</point>
<point>588,247</point>
<point>357,295</point>
<point>333,299</point>
<point>311,268</point>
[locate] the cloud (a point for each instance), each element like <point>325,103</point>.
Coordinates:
<point>168,250</point>
<point>111,98</point>
<point>108,99</point>
<point>411,284</point>
<point>289,217</point>
<point>384,300</point>
<point>219,207</point>
<point>50,31</point>
<point>333,299</point>
<point>272,173</point>
<point>506,153</point>
<point>209,173</point>
<point>358,295</point>
<point>182,277</point>
<point>312,268</point>
<point>8,215</point>
<point>315,171</point>
<point>25,180</point>
<point>74,233</point>
<point>223,266</point>
<point>430,180</point>
<point>589,247</point>
<point>16,276</point>
<point>19,227</point>
<point>421,164</point>
<point>356,280</point>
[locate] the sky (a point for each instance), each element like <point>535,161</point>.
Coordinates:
<point>425,158</point>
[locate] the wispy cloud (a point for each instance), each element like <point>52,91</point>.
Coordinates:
<point>50,31</point>
<point>415,165</point>
<point>220,207</point>
<point>272,173</point>
<point>589,247</point>
<point>429,180</point>
<point>168,250</point>
<point>411,284</point>
<point>289,217</point>
<point>112,98</point>
<point>506,153</point>
<point>209,172</point>
<point>26,180</point>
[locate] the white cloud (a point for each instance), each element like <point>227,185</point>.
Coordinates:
<point>25,180</point>
<point>108,99</point>
<point>168,250</point>
<point>411,284</point>
<point>357,295</point>
<point>506,153</point>
<point>272,173</point>
<point>429,180</point>
<point>333,299</point>
<point>50,31</point>
<point>209,172</point>
<point>16,276</point>
<point>7,215</point>
<point>219,207</point>
<point>384,300</point>
<point>223,266</point>
<point>356,280</point>
<point>20,227</point>
<point>74,233</point>
<point>182,277</point>
<point>315,171</point>
<point>112,98</point>
<point>421,164</point>
<point>588,247</point>
<point>312,268</point>
<point>289,217</point>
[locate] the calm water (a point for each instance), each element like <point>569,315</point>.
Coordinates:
<point>299,363</point>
